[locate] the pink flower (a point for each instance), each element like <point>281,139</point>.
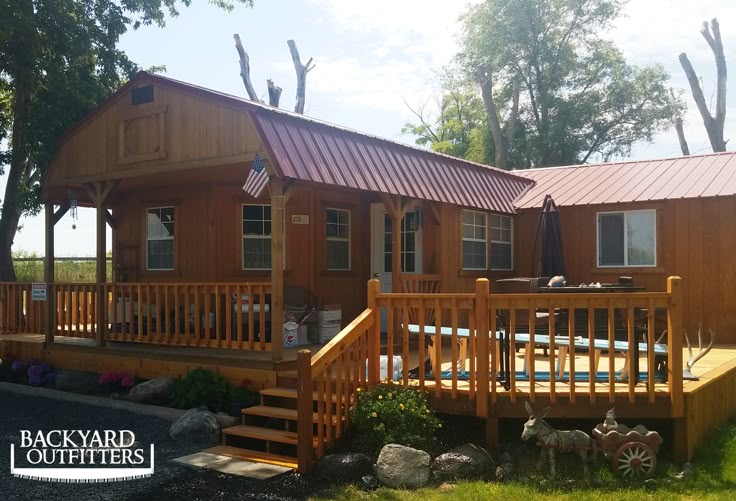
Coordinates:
<point>127,382</point>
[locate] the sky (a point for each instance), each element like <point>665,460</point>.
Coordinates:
<point>372,58</point>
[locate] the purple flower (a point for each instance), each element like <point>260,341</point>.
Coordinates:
<point>35,371</point>
<point>50,378</point>
<point>34,380</point>
<point>18,365</point>
<point>45,367</point>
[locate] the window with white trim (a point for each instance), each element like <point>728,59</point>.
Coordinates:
<point>256,237</point>
<point>627,238</point>
<point>160,238</point>
<point>502,235</point>
<point>475,240</point>
<point>338,239</point>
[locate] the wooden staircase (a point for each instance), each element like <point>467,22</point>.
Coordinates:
<point>268,433</point>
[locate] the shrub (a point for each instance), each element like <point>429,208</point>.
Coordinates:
<point>116,381</point>
<point>201,387</point>
<point>393,414</point>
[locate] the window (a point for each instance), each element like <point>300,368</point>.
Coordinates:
<point>627,238</point>
<point>338,239</point>
<point>256,237</point>
<point>501,242</point>
<point>160,238</point>
<point>409,239</point>
<point>142,95</point>
<point>475,241</point>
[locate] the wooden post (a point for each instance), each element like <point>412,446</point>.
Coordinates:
<point>48,274</point>
<point>100,274</point>
<point>305,402</point>
<point>396,251</point>
<point>374,338</point>
<point>482,291</point>
<point>277,268</point>
<point>492,433</point>
<point>674,344</point>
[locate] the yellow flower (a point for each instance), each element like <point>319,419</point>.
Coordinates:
<point>373,414</point>
<point>390,394</point>
<point>380,397</point>
<point>401,406</point>
<point>439,425</point>
<point>358,390</point>
<point>427,411</point>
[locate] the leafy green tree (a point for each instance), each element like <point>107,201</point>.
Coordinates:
<point>554,91</point>
<point>58,60</point>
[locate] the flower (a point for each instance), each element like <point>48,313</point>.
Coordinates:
<point>50,378</point>
<point>439,425</point>
<point>127,382</point>
<point>380,397</point>
<point>17,365</point>
<point>373,414</point>
<point>401,406</point>
<point>390,394</point>
<point>358,390</point>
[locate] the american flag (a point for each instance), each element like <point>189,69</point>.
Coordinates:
<point>257,177</point>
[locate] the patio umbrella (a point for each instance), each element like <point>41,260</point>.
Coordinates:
<point>551,262</point>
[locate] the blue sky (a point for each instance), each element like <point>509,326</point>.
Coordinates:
<point>371,56</point>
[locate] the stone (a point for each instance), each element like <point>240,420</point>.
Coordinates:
<point>199,426</point>
<point>368,483</point>
<point>401,466</point>
<point>650,484</point>
<point>155,391</point>
<point>77,382</point>
<point>505,457</point>
<point>343,468</point>
<point>504,472</point>
<point>467,461</point>
<point>226,420</point>
<point>445,487</point>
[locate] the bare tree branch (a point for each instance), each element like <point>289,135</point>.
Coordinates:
<point>245,69</point>
<point>301,76</point>
<point>513,117</point>
<point>716,46</point>
<point>274,93</point>
<point>681,137</point>
<point>486,89</point>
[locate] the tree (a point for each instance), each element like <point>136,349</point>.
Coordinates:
<point>713,124</point>
<point>577,96</point>
<point>58,60</point>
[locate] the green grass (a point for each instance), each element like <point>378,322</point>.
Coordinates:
<point>31,269</point>
<point>714,478</point>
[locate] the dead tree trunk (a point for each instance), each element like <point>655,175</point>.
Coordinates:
<point>713,125</point>
<point>274,93</point>
<point>245,69</point>
<point>301,76</point>
<point>494,124</point>
<point>681,137</point>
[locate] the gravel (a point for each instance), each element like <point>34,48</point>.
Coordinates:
<point>171,481</point>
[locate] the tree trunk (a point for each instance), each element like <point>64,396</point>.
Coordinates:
<point>681,137</point>
<point>274,93</point>
<point>486,90</point>
<point>245,69</point>
<point>301,76</point>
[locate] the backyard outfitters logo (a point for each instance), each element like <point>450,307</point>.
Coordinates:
<point>79,456</point>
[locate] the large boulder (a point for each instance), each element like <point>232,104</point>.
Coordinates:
<point>467,461</point>
<point>401,466</point>
<point>77,382</point>
<point>343,468</point>
<point>155,391</point>
<point>196,425</point>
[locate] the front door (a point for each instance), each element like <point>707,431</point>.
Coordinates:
<point>381,252</point>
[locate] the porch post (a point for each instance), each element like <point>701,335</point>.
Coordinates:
<point>393,207</point>
<point>674,342</point>
<point>277,267</point>
<point>48,273</point>
<point>101,270</point>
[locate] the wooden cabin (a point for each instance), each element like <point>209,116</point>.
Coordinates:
<point>194,282</point>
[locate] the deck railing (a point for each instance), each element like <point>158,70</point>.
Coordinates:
<point>76,312</point>
<point>328,383</point>
<point>19,313</point>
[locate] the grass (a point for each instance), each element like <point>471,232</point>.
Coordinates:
<point>714,479</point>
<point>30,268</point>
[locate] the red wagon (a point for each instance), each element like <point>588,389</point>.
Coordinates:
<point>632,451</point>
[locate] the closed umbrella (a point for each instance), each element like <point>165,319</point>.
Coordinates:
<point>549,233</point>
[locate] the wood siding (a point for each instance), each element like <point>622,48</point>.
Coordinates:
<point>175,131</point>
<point>696,240</point>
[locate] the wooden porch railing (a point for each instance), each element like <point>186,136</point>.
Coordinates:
<point>76,312</point>
<point>18,312</point>
<point>219,315</point>
<point>327,382</point>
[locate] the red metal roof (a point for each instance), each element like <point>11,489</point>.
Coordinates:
<point>304,148</point>
<point>310,150</point>
<point>710,175</point>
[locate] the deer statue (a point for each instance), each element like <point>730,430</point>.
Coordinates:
<point>687,374</point>
<point>550,440</point>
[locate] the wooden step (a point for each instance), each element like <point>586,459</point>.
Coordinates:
<point>267,434</point>
<point>281,392</point>
<point>291,374</point>
<point>277,413</point>
<point>256,456</point>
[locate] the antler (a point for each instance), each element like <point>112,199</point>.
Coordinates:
<point>662,336</point>
<point>701,352</point>
<point>529,408</point>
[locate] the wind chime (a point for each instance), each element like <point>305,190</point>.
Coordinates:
<point>73,207</point>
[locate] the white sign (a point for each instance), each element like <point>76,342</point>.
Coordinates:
<point>38,292</point>
<point>80,456</point>
<point>299,219</point>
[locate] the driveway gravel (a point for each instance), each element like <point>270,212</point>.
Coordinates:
<point>171,481</point>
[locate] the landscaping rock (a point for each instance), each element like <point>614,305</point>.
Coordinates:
<point>77,381</point>
<point>504,472</point>
<point>155,392</point>
<point>467,461</point>
<point>369,483</point>
<point>401,466</point>
<point>226,420</point>
<point>343,468</point>
<point>505,457</point>
<point>196,425</point>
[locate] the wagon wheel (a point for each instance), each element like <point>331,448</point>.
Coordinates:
<point>634,459</point>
